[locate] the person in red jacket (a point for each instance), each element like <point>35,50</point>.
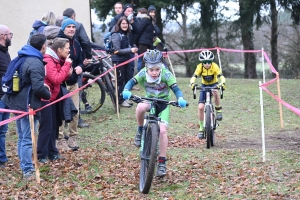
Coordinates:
<point>58,69</point>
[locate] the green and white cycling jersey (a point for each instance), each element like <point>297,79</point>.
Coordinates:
<point>161,90</point>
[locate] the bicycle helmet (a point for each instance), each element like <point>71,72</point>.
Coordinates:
<point>152,56</point>
<point>206,55</point>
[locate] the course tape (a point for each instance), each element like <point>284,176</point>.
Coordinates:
<point>263,86</point>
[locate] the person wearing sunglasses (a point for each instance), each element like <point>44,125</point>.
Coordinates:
<point>210,73</point>
<point>5,42</point>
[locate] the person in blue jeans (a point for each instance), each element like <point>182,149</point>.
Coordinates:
<point>3,130</point>
<point>34,89</point>
<point>5,42</point>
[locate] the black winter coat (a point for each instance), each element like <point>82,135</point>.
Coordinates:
<point>146,30</point>
<point>4,62</point>
<point>75,55</point>
<point>134,28</point>
<point>83,40</point>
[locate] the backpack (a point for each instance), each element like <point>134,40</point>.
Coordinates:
<point>14,70</point>
<point>107,42</point>
<point>33,32</point>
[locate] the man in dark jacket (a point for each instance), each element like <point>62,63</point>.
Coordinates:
<point>80,35</point>
<point>86,45</point>
<point>68,29</point>
<point>34,89</point>
<point>5,41</point>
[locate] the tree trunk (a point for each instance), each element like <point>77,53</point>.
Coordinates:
<point>246,24</point>
<point>274,35</point>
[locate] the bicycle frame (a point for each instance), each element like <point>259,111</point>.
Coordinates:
<point>151,118</point>
<point>106,64</point>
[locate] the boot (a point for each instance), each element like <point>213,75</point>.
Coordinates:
<point>62,145</point>
<point>72,143</point>
<point>82,124</point>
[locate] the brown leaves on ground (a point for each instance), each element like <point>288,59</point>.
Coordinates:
<point>112,172</point>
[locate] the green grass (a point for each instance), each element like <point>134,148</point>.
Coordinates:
<point>107,164</point>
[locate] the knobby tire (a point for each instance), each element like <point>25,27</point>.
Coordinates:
<point>148,157</point>
<point>93,93</point>
<point>208,128</point>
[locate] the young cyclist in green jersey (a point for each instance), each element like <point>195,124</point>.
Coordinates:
<point>157,83</point>
<point>209,72</point>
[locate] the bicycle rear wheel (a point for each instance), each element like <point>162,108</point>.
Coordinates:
<point>111,90</point>
<point>93,94</point>
<point>208,129</point>
<point>148,157</point>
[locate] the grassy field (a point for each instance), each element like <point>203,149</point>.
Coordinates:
<point>107,164</point>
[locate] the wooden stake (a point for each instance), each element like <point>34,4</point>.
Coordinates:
<point>279,96</point>
<point>34,150</point>
<point>171,66</point>
<point>116,88</point>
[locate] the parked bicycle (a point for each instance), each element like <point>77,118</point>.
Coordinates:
<point>95,96</point>
<point>210,122</point>
<point>149,149</point>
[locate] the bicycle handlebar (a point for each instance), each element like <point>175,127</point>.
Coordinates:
<point>196,87</point>
<point>138,99</point>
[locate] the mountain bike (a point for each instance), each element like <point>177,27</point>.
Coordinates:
<point>99,65</point>
<point>210,121</point>
<point>149,149</point>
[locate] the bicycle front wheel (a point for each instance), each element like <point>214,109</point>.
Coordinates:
<point>148,157</point>
<point>111,90</point>
<point>208,129</point>
<point>92,95</point>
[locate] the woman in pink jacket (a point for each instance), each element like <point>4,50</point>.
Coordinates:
<point>58,69</point>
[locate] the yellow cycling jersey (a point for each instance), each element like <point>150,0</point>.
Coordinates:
<point>209,76</point>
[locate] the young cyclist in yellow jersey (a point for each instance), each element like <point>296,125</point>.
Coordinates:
<point>210,73</point>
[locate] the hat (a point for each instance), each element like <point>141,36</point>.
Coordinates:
<point>151,8</point>
<point>128,5</point>
<point>67,22</point>
<point>51,31</point>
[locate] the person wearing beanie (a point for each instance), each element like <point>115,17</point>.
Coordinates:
<point>151,9</point>
<point>126,6</point>
<point>86,45</point>
<point>68,30</point>
<point>152,13</point>
<point>67,22</point>
<point>145,35</point>
<point>80,35</point>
